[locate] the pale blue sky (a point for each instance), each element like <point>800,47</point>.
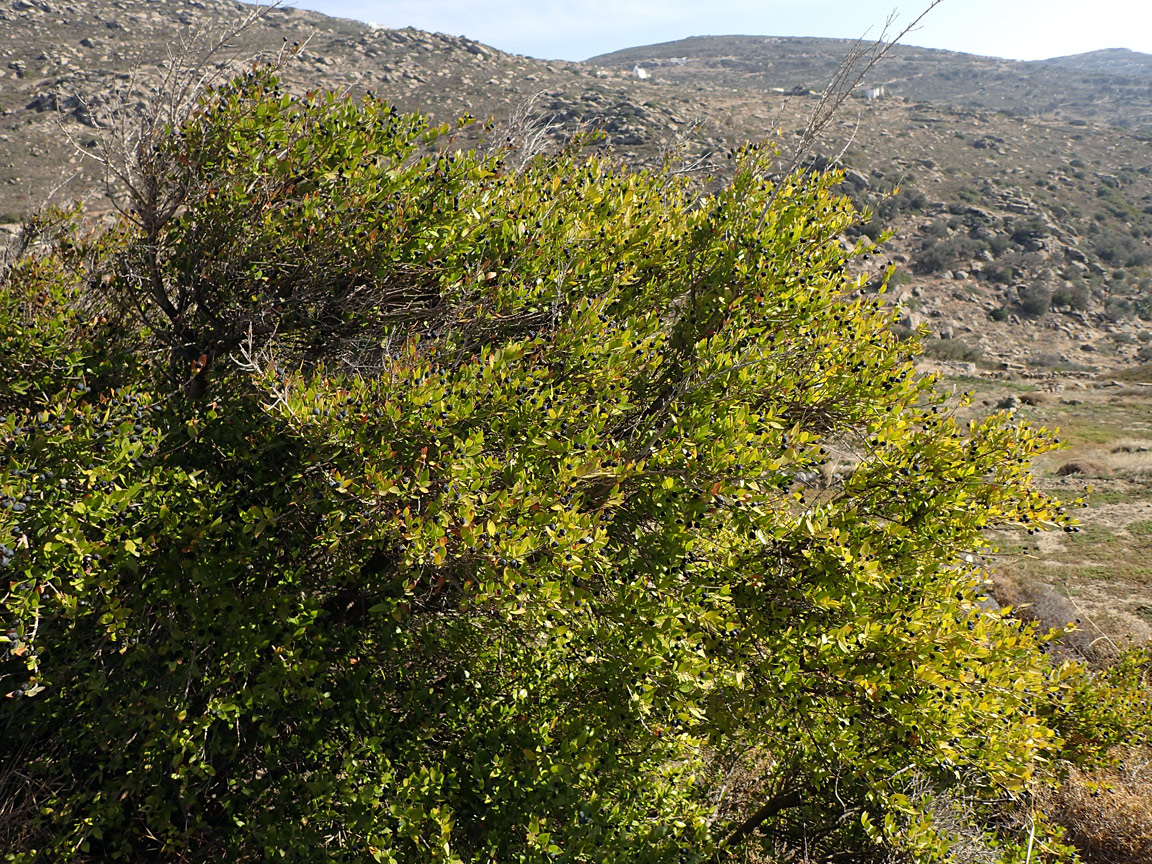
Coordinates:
<point>1020,29</point>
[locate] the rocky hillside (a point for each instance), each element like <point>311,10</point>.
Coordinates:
<point>1021,193</point>
<point>1109,87</point>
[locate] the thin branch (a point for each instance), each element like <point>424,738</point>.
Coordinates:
<point>855,66</point>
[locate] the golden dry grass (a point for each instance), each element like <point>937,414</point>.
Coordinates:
<point>1108,813</point>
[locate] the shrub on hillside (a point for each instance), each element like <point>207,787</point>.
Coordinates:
<point>1118,308</point>
<point>946,253</point>
<point>1011,267</point>
<point>1074,295</point>
<point>1035,300</point>
<point>1142,305</point>
<point>953,349</point>
<point>1028,230</point>
<point>1121,249</point>
<point>905,199</point>
<point>367,500</point>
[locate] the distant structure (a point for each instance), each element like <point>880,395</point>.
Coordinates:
<point>640,72</point>
<point>874,93</point>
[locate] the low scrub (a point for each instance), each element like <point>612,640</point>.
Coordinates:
<point>953,349</point>
<point>366,500</point>
<point>1108,814</point>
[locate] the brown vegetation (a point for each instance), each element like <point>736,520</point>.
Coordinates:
<point>1108,814</point>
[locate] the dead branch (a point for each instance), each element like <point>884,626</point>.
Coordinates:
<point>527,132</point>
<point>861,58</point>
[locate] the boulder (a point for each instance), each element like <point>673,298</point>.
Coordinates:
<point>1082,467</point>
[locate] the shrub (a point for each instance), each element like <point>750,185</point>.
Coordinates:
<point>1121,249</point>
<point>1035,300</point>
<point>953,349</point>
<point>1074,295</point>
<point>1118,308</point>
<point>873,229</point>
<point>936,229</point>
<point>1011,267</point>
<point>1107,813</point>
<point>1142,305</point>
<point>999,272</point>
<point>947,253</point>
<point>997,243</point>
<point>380,502</point>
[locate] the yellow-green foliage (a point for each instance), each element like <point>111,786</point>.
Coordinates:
<point>485,534</point>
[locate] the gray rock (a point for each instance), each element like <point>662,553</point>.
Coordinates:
<point>978,213</point>
<point>910,319</point>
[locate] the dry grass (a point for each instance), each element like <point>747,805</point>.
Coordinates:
<point>1108,814</point>
<point>1141,373</point>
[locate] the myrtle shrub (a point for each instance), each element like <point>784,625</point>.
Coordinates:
<point>379,502</point>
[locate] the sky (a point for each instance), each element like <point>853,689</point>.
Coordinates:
<point>578,29</point>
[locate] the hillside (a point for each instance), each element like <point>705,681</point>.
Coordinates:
<point>1019,189</point>
<point>1105,87</point>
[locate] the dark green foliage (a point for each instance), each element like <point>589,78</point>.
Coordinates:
<point>1010,267</point>
<point>1121,249</point>
<point>936,230</point>
<point>953,349</point>
<point>1142,304</point>
<point>903,199</point>
<point>1074,295</point>
<point>386,504</point>
<point>947,253</point>
<point>1118,308</point>
<point>1029,230</point>
<point>1035,300</point>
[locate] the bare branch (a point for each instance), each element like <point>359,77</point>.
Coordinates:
<point>861,58</point>
<point>527,131</point>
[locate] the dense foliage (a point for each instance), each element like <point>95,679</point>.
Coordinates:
<point>366,500</point>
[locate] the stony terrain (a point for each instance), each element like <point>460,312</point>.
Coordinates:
<point>1016,195</point>
<point>1020,194</point>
